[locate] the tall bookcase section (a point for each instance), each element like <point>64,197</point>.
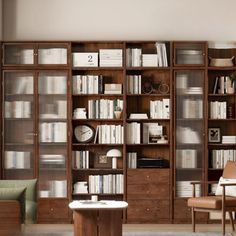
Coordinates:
<point>189,79</point>
<point>98,160</point>
<point>221,110</point>
<point>35,86</point>
<point>148,131</point>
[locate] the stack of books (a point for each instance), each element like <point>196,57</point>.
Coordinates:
<point>81,187</point>
<point>185,189</point>
<point>149,60</point>
<point>229,139</point>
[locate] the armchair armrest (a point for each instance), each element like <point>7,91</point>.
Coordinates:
<point>194,183</point>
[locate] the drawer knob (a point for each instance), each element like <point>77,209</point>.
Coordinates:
<point>148,209</point>
<point>51,209</point>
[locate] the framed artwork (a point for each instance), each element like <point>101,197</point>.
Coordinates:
<point>214,135</point>
<point>102,161</point>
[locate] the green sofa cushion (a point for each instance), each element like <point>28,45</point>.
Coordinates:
<point>29,184</point>
<point>15,194</point>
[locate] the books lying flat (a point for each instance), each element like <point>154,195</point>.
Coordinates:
<point>138,116</point>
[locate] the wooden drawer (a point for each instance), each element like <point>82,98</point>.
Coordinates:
<point>56,210</point>
<point>148,190</point>
<point>144,176</point>
<point>148,183</point>
<point>148,211</point>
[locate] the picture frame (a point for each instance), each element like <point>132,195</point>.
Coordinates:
<point>102,161</point>
<point>214,135</point>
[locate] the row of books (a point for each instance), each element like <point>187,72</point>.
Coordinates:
<point>52,84</point>
<point>109,134</point>
<point>229,139</point>
<point>52,56</point>
<point>160,109</point>
<point>192,108</point>
<point>152,133</point>
<point>106,184</point>
<point>53,132</point>
<point>88,84</point>
<point>187,135</point>
<point>218,110</point>
<point>52,160</point>
<point>136,58</point>
<point>185,189</point>
<point>134,84</point>
<point>56,109</point>
<point>80,159</point>
<point>220,157</point>
<point>54,188</point>
<point>20,56</point>
<point>17,160</point>
<point>186,158</point>
<point>132,160</point>
<point>224,85</point>
<point>19,84</point>
<point>17,109</point>
<point>103,108</point>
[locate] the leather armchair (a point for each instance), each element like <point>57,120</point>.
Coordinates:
<point>221,203</point>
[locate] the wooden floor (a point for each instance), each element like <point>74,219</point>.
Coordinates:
<point>131,227</point>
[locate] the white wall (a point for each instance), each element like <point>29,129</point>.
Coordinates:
<point>120,20</point>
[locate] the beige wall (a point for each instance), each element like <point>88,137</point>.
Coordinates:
<point>120,19</point>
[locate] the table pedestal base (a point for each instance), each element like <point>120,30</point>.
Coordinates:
<point>98,222</point>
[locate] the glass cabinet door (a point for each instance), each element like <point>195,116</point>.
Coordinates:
<point>19,132</point>
<point>18,54</point>
<point>189,127</point>
<point>52,54</point>
<point>52,89</point>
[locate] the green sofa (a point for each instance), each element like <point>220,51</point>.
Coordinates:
<point>30,186</point>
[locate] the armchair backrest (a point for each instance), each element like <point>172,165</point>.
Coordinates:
<point>230,170</point>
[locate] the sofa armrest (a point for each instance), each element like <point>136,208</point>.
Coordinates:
<point>10,217</point>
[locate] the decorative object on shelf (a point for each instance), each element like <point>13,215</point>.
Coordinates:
<point>80,113</point>
<point>117,112</point>
<point>85,59</point>
<point>147,86</point>
<point>221,61</point>
<point>114,154</point>
<point>84,133</point>
<point>214,135</point>
<point>163,88</point>
<point>102,161</point>
<point>113,89</point>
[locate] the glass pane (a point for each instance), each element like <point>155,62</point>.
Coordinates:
<point>18,125</point>
<point>56,54</point>
<point>189,129</point>
<point>19,54</point>
<point>52,134</point>
<point>190,54</point>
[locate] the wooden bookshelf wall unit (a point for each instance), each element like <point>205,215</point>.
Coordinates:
<point>98,151</point>
<point>137,121</point>
<point>189,123</point>
<point>35,120</point>
<point>148,131</point>
<point>221,111</point>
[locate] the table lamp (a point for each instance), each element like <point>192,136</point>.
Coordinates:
<point>114,154</point>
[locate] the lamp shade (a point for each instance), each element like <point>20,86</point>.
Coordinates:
<point>114,153</point>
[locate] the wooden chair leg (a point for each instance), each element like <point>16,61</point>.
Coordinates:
<point>193,219</point>
<point>231,220</point>
<point>223,221</point>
